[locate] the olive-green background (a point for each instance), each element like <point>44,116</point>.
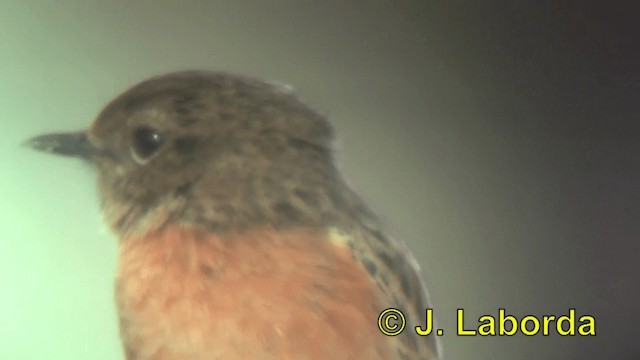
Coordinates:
<point>498,139</point>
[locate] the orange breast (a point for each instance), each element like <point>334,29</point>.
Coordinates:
<point>186,294</point>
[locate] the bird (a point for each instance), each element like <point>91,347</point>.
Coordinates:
<point>238,236</point>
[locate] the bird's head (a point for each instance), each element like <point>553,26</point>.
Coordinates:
<point>203,146</point>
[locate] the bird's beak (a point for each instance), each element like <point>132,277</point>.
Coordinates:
<point>68,144</point>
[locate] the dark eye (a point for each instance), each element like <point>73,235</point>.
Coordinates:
<point>146,143</point>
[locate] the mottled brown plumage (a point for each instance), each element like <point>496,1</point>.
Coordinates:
<point>228,205</point>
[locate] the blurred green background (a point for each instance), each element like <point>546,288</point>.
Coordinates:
<point>500,140</point>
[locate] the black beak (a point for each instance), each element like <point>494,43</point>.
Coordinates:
<point>69,144</point>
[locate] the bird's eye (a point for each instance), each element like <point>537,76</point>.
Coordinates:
<point>146,143</point>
